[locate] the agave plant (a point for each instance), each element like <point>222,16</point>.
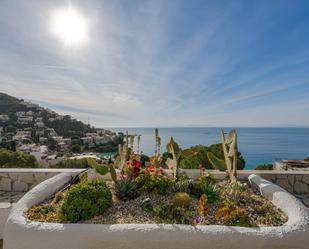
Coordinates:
<point>126,189</point>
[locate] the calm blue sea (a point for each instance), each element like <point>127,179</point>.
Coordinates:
<point>258,145</point>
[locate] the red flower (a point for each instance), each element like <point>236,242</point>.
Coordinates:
<point>152,168</point>
<point>137,164</point>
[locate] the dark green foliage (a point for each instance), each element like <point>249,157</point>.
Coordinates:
<point>146,205</point>
<point>196,190</point>
<point>75,148</point>
<point>264,167</point>
<point>100,168</point>
<point>52,144</point>
<point>74,163</point>
<point>126,190</point>
<point>17,159</point>
<point>144,159</point>
<point>211,191</point>
<point>66,127</point>
<point>307,159</point>
<point>83,163</point>
<point>85,200</point>
<point>154,183</point>
<point>207,179</point>
<point>168,213</point>
<point>192,157</point>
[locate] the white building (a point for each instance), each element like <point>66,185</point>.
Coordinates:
<point>58,139</point>
<point>87,140</point>
<point>25,119</point>
<point>101,139</point>
<point>4,117</point>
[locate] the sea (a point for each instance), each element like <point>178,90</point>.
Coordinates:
<point>257,145</point>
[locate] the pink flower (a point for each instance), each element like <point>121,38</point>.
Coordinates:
<point>161,171</point>
<point>197,220</point>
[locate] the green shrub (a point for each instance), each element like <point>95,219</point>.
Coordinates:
<point>126,190</point>
<point>307,159</point>
<point>85,200</point>
<point>194,156</point>
<point>168,213</point>
<point>264,167</point>
<point>211,191</point>
<point>154,183</point>
<point>83,163</point>
<point>207,179</point>
<point>17,159</point>
<point>182,185</point>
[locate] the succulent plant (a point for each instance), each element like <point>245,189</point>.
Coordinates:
<point>182,199</point>
<point>138,143</point>
<point>126,190</point>
<point>113,173</point>
<point>230,150</point>
<point>173,163</point>
<point>158,143</point>
<point>202,204</point>
<point>124,153</point>
<point>146,204</point>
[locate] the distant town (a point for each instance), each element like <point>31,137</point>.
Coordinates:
<point>50,137</point>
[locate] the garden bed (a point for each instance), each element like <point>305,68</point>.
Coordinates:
<point>227,204</point>
<point>22,233</point>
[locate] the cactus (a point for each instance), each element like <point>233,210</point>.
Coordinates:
<point>123,154</point>
<point>230,151</point>
<point>138,143</point>
<point>158,143</point>
<point>113,173</point>
<point>182,199</point>
<point>216,162</point>
<point>173,163</point>
<point>132,143</point>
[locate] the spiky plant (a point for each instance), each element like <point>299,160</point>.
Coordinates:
<point>126,190</point>
<point>138,143</point>
<point>173,163</point>
<point>230,151</point>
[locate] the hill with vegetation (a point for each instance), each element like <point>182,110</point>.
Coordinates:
<point>63,125</point>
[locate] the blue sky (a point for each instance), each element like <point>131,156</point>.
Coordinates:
<point>163,63</point>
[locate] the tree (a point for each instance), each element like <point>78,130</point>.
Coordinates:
<point>17,159</point>
<point>76,148</point>
<point>13,145</point>
<point>52,144</point>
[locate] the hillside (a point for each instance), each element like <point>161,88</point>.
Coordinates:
<point>22,114</point>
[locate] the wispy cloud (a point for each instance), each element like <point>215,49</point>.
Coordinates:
<point>163,62</point>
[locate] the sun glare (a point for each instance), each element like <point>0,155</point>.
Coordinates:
<point>70,26</point>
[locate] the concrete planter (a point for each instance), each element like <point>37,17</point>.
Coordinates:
<point>21,233</point>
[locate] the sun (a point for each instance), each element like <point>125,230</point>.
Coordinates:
<point>70,26</point>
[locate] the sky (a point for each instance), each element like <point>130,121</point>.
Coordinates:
<point>162,63</point>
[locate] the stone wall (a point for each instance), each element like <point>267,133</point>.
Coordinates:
<point>295,182</point>
<point>22,180</point>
